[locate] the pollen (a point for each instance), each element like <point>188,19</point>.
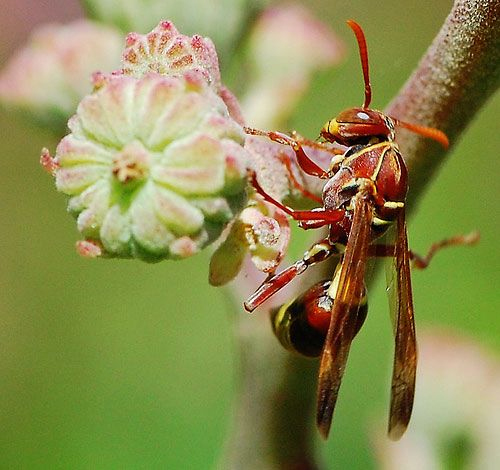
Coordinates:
<point>131,164</point>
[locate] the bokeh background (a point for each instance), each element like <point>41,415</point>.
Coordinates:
<point>119,364</point>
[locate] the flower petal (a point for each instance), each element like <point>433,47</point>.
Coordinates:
<point>148,231</point>
<point>75,179</point>
<point>227,259</point>
<point>96,201</point>
<point>176,213</point>
<point>115,232</point>
<point>181,117</point>
<point>73,151</point>
<point>192,167</point>
<point>153,98</point>
<point>106,115</point>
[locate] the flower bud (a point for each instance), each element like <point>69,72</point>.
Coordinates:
<point>262,230</point>
<point>154,166</point>
<point>48,77</point>
<point>166,51</point>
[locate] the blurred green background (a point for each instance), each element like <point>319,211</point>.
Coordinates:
<point>119,364</point>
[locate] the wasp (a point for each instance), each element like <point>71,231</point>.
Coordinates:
<point>364,195</point>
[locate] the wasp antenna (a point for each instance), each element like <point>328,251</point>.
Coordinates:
<point>363,53</point>
<point>430,132</point>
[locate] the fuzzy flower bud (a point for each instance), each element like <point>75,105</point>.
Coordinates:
<point>154,164</point>
<point>261,230</point>
<point>166,51</point>
<point>50,75</point>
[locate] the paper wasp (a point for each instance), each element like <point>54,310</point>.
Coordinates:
<point>364,195</point>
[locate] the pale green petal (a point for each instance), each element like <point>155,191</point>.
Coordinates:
<point>115,231</point>
<point>178,214</point>
<point>93,121</point>
<point>75,179</point>
<point>147,230</point>
<point>181,118</point>
<point>107,115</point>
<point>153,98</point>
<point>117,102</point>
<point>192,167</point>
<point>96,200</point>
<point>227,259</point>
<point>73,151</point>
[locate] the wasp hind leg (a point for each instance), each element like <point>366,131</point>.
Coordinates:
<point>421,262</point>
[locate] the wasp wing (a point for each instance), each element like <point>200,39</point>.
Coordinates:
<point>405,354</point>
<point>345,320</point>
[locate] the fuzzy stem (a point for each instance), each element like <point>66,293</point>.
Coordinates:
<point>275,401</point>
<point>456,76</point>
<point>273,427</point>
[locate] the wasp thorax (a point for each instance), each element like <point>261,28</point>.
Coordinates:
<point>358,126</point>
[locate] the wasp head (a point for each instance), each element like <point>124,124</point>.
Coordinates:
<point>358,126</point>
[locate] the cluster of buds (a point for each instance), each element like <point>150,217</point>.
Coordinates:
<point>156,161</point>
<point>46,79</point>
<point>154,165</point>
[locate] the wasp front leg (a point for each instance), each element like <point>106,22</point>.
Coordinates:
<point>285,159</point>
<point>297,144</point>
<point>307,219</point>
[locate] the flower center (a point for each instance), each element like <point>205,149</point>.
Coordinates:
<point>131,164</point>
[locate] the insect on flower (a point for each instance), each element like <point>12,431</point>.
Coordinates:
<point>364,195</point>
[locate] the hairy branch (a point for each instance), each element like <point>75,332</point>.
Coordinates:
<point>273,427</point>
<point>456,76</point>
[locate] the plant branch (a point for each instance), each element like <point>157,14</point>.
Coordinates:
<point>273,427</point>
<point>275,398</point>
<point>458,73</point>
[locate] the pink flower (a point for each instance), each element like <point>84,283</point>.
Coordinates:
<point>52,73</point>
<point>457,408</point>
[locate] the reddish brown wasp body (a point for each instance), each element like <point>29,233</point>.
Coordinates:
<point>364,195</point>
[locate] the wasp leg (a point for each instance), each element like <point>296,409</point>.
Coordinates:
<point>307,165</point>
<point>288,165</point>
<point>419,261</point>
<point>320,215</point>
<point>320,251</point>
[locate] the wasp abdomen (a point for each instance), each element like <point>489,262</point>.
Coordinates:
<point>301,325</point>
